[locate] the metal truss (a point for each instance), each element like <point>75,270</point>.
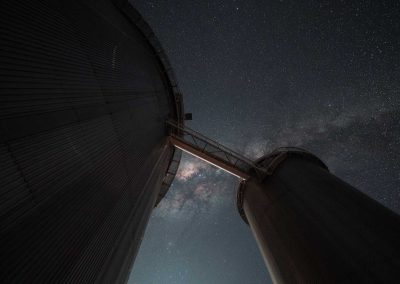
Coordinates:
<point>212,152</point>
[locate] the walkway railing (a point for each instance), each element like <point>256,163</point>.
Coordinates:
<point>212,152</point>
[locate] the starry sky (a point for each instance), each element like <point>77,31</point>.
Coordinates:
<point>321,75</point>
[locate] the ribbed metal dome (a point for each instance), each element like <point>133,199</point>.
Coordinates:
<point>85,92</point>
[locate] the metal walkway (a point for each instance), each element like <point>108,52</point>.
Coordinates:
<point>212,152</point>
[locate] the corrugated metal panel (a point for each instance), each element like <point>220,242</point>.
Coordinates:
<point>83,100</point>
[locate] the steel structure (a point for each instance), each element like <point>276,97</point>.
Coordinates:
<point>85,89</point>
<point>212,152</point>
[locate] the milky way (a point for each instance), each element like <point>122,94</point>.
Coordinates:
<point>198,188</point>
<point>322,75</point>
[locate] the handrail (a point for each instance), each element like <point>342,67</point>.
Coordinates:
<point>213,152</point>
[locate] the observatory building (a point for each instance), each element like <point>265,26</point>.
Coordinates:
<point>85,93</point>
<point>312,227</point>
<point>91,133</point>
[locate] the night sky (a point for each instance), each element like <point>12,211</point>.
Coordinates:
<point>321,75</point>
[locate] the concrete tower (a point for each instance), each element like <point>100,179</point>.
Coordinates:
<point>312,227</point>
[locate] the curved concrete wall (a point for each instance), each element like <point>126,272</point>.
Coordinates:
<point>312,227</point>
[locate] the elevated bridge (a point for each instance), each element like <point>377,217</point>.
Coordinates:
<point>210,151</point>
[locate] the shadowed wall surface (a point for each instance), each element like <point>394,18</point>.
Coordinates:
<point>314,228</point>
<point>84,98</point>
